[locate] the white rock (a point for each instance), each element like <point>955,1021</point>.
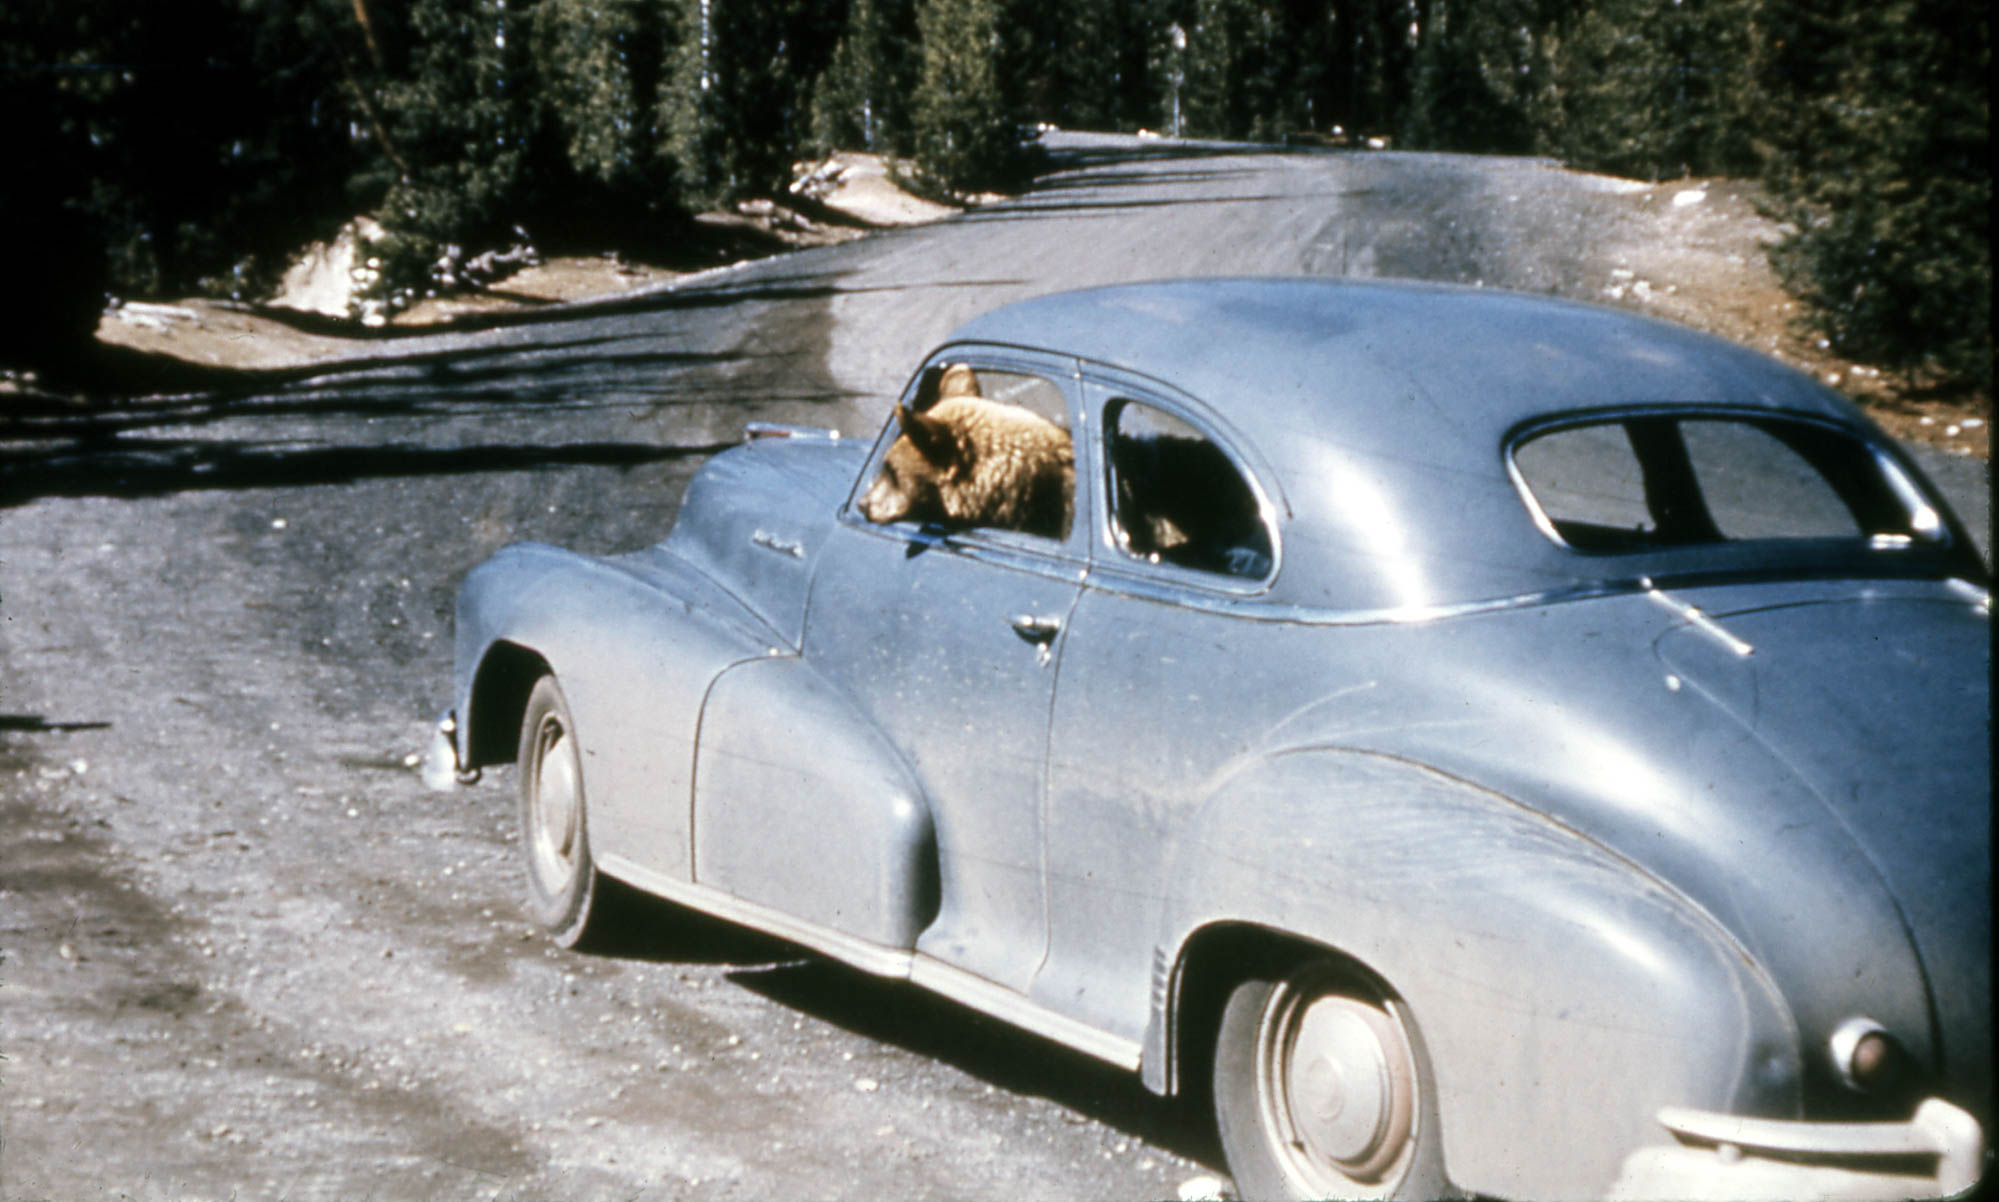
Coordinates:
<point>1196,1189</point>
<point>1691,196</point>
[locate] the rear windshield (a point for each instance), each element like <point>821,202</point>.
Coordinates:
<point>1640,482</point>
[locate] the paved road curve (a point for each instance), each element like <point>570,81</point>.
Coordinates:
<point>246,955</point>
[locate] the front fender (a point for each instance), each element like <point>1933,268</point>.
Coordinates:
<point>635,642</point>
<point>1562,994</point>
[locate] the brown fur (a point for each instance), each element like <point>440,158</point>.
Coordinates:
<point>963,460</point>
<point>1180,500</point>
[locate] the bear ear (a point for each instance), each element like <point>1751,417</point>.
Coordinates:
<point>958,380</point>
<point>931,436</point>
<point>927,388</point>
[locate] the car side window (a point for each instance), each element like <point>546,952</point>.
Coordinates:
<point>978,448</point>
<point>1177,497</point>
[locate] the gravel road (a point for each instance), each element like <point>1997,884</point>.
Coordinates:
<point>246,955</point>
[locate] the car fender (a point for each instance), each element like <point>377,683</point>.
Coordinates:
<point>635,642</point>
<point>790,779</point>
<point>1529,959</point>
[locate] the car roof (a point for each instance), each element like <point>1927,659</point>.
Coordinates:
<point>1385,410</point>
<point>1374,363</point>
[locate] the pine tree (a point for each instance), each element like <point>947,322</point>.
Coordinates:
<point>966,131</point>
<point>1219,38</point>
<point>1656,90</point>
<point>1879,158</point>
<point>464,115</point>
<point>737,109</point>
<point>1473,73</point>
<point>599,64</point>
<point>862,100</point>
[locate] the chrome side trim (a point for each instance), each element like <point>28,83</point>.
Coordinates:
<point>1011,1007</point>
<point>755,430</point>
<point>776,542</point>
<point>1695,617</point>
<point>954,983</point>
<point>862,954</point>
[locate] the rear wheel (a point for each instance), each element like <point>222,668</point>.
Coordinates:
<point>1318,1090</point>
<point>562,882</point>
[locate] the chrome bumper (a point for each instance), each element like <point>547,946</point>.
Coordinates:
<point>1939,1153</point>
<point>440,771</point>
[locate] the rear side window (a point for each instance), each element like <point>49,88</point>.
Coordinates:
<point>1663,481</point>
<point>1177,497</point>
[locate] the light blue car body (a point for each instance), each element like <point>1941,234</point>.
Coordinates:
<point>1622,831</point>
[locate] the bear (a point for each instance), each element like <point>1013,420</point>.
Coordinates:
<point>1180,501</point>
<point>962,460</point>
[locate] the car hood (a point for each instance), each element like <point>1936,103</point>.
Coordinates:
<point>755,516</point>
<point>1874,706</point>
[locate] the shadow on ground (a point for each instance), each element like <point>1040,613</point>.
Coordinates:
<point>898,1014</point>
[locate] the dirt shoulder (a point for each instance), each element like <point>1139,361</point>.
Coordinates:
<point>1702,263</point>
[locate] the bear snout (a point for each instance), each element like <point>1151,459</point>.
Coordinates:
<point>881,503</point>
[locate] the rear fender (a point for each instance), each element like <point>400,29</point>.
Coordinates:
<point>1529,959</point>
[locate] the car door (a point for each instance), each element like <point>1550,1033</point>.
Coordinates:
<point>949,637</point>
<point>1162,686</point>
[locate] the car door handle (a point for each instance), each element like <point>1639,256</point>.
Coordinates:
<point>1036,629</point>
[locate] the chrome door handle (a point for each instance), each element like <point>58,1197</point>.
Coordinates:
<point>1036,629</point>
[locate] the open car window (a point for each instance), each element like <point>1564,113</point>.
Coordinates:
<point>1647,481</point>
<point>976,448</point>
<point>1177,498</point>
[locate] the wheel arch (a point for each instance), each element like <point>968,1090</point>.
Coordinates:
<point>497,702</point>
<point>1211,961</point>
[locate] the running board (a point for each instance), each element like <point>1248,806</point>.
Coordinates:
<point>967,989</point>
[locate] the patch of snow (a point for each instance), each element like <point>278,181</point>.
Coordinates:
<point>324,278</point>
<point>1611,183</point>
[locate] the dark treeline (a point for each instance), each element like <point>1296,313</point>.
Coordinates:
<point>196,144</point>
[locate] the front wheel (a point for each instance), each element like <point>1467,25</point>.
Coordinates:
<point>1318,1090</point>
<point>562,882</point>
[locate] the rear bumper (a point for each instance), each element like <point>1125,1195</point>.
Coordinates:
<point>1939,1153</point>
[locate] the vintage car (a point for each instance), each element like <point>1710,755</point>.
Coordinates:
<point>1492,744</point>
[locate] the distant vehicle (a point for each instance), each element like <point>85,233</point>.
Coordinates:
<point>1492,744</point>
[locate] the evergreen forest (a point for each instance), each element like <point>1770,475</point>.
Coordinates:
<point>195,145</point>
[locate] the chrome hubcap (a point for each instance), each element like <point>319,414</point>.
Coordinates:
<point>553,830</point>
<point>1338,1085</point>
